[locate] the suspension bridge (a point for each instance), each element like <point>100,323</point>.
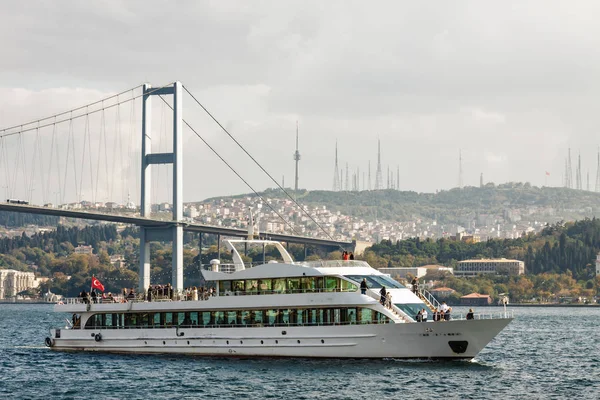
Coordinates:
<point>103,153</point>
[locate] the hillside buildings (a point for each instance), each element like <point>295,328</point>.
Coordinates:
<point>498,267</point>
<point>13,282</point>
<point>598,264</point>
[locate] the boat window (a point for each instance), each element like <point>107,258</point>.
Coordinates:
<point>376,281</point>
<point>279,285</point>
<point>265,286</point>
<point>293,285</point>
<point>238,287</point>
<point>252,286</point>
<point>348,286</point>
<point>238,318</point>
<point>411,309</point>
<point>224,288</point>
<point>331,283</point>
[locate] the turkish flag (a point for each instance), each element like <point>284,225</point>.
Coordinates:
<point>96,284</point>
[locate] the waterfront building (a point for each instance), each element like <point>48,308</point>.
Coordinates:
<point>13,282</point>
<point>442,292</point>
<point>476,299</point>
<point>488,266</point>
<point>598,264</point>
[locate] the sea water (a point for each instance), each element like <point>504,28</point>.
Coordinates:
<point>545,353</point>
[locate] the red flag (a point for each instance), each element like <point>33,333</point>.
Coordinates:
<point>547,173</point>
<point>96,284</point>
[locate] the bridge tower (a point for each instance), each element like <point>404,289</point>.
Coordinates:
<point>173,233</point>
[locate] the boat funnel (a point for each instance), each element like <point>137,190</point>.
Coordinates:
<point>214,265</point>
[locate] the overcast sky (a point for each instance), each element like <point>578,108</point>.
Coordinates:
<point>512,84</point>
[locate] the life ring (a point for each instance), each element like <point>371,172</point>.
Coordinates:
<point>97,337</point>
<point>49,342</point>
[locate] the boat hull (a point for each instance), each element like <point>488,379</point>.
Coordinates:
<point>460,339</point>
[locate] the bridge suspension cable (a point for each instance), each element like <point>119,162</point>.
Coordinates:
<point>23,127</point>
<point>234,171</point>
<point>256,162</point>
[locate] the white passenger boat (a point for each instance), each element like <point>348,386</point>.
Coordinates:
<point>277,309</point>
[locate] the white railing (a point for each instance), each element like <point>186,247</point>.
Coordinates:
<point>486,315</point>
<point>333,263</point>
<point>393,307</point>
<point>429,297</point>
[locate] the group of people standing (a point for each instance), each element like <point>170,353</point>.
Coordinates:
<point>443,313</point>
<point>347,255</point>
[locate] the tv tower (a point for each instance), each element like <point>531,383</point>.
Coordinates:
<point>296,158</point>
<point>336,173</point>
<point>347,179</point>
<point>378,177</point>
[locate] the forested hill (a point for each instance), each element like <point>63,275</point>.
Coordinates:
<point>14,219</point>
<point>556,249</point>
<point>450,206</point>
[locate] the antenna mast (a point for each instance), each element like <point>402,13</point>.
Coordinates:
<point>296,158</point>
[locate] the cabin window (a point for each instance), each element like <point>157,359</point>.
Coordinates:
<point>252,286</point>
<point>235,318</point>
<point>265,286</point>
<point>308,284</point>
<point>332,283</point>
<point>238,287</point>
<point>231,317</point>
<point>219,317</point>
<point>348,286</point>
<point>293,285</point>
<point>224,288</point>
<point>246,318</point>
<point>259,316</point>
<point>279,285</point>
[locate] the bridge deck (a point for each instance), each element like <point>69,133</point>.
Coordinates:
<point>156,223</point>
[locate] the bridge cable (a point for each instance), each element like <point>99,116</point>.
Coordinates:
<point>149,92</point>
<point>69,112</point>
<point>48,185</point>
<point>86,136</point>
<point>235,172</point>
<point>259,165</point>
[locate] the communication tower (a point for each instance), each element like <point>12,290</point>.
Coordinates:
<point>336,173</point>
<point>378,177</point>
<point>296,158</point>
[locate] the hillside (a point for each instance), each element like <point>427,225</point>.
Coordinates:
<point>453,206</point>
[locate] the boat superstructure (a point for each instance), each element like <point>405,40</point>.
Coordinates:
<point>276,309</point>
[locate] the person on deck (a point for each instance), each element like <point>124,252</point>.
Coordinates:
<point>415,285</point>
<point>383,294</point>
<point>345,256</point>
<point>424,315</point>
<point>363,286</point>
<point>470,314</point>
<point>351,256</point>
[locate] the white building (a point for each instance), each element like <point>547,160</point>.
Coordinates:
<point>13,282</point>
<point>418,272</point>
<point>598,264</point>
<point>484,266</point>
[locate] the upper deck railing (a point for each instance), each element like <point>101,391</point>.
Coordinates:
<point>230,268</point>
<point>334,263</point>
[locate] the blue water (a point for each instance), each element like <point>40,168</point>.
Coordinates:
<point>546,353</point>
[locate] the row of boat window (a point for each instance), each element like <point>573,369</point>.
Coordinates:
<point>304,284</point>
<point>238,318</point>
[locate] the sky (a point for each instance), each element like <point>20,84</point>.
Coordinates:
<point>511,85</point>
